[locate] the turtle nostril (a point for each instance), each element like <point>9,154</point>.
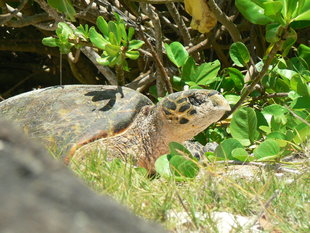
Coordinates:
<point>213,93</point>
<point>196,100</point>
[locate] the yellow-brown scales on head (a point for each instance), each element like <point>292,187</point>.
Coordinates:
<point>118,120</point>
<point>187,113</point>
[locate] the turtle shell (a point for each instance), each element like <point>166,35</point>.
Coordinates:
<point>63,115</point>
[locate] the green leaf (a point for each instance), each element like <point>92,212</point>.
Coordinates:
<point>135,44</point>
<point>64,31</point>
<point>114,33</point>
<point>285,73</point>
<point>239,54</point>
<point>112,50</point>
<point>117,17</point>
<point>267,148</point>
<point>298,64</point>
<point>275,110</point>
<point>225,148</point>
<point>178,149</point>
<point>50,41</point>
<point>305,16</point>
<point>177,83</point>
<point>182,166</point>
<point>278,122</point>
<point>112,39</point>
<point>103,26</point>
<point>301,15</point>
<point>232,99</point>
<point>82,32</point>
<point>265,128</point>
<point>279,137</point>
<point>298,85</point>
<point>291,7</point>
<point>241,154</point>
<point>188,69</point>
<point>105,60</point>
<point>302,132</point>
<point>97,39</point>
<point>272,8</point>
<point>304,52</point>
<point>123,33</point>
<point>133,55</point>
<point>289,41</point>
<point>261,120</point>
<point>162,166</point>
<point>301,103</point>
<point>131,32</point>
<point>273,32</point>
<point>253,11</point>
<point>244,126</point>
<point>64,6</point>
<point>176,53</point>
<point>206,73</point>
<point>237,77</point>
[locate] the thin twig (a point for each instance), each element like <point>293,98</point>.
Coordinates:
<point>269,96</point>
<point>92,55</point>
<point>106,71</point>
<point>7,17</point>
<point>49,10</point>
<point>258,77</point>
<point>8,92</point>
<point>147,9</point>
<point>235,162</point>
<point>157,1</point>
<point>28,20</point>
<point>60,68</point>
<point>265,207</point>
<point>198,46</point>
<point>84,12</point>
<point>164,74</point>
<point>75,58</point>
<point>179,21</point>
<point>223,19</point>
<point>298,117</point>
<point>192,216</point>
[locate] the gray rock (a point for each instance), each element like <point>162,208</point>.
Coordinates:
<point>39,194</point>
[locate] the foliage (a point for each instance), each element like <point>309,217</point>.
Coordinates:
<point>195,76</point>
<point>270,104</point>
<point>156,199</point>
<point>273,127</point>
<point>266,132</point>
<point>114,39</point>
<point>176,164</point>
<point>271,122</point>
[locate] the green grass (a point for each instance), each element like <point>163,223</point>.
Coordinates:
<point>284,205</point>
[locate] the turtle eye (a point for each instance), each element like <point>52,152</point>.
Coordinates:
<point>196,100</point>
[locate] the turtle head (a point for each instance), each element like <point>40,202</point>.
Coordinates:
<point>187,113</point>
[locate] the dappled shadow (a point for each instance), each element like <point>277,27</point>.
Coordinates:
<point>109,94</point>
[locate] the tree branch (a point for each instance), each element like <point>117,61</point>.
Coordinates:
<point>179,21</point>
<point>223,19</point>
<point>257,78</point>
<point>162,70</point>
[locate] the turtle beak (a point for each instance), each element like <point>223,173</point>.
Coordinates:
<point>219,101</point>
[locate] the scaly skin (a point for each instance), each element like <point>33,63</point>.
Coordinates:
<point>178,117</point>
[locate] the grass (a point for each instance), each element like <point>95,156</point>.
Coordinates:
<point>279,204</point>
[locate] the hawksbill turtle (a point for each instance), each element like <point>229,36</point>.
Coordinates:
<point>78,119</point>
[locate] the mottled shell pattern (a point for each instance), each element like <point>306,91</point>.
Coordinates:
<point>64,115</point>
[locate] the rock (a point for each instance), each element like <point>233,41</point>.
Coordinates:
<point>39,194</point>
<point>223,222</point>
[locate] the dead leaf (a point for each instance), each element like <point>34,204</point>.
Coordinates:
<point>203,18</point>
